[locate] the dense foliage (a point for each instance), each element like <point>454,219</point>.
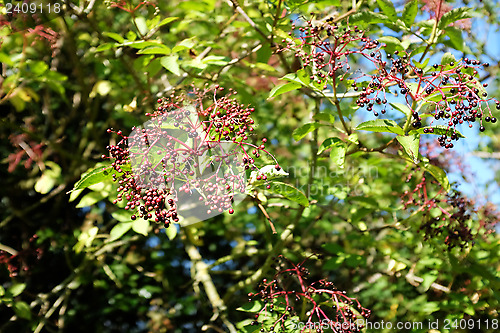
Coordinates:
<point>316,136</point>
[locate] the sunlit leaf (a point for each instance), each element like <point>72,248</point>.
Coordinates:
<point>410,144</point>
<point>289,192</point>
<point>410,12</point>
<point>302,131</point>
<point>380,125</point>
<point>278,90</point>
<point>170,63</point>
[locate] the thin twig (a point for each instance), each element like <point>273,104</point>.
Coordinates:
<point>263,210</point>
<point>247,18</point>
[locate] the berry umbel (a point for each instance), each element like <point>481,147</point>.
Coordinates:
<point>441,95</point>
<point>190,159</point>
<point>291,298</point>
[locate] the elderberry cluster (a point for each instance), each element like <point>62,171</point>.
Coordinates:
<point>442,216</point>
<point>450,92</point>
<point>452,223</point>
<point>193,153</point>
<point>286,295</point>
<point>326,49</point>
<point>446,215</point>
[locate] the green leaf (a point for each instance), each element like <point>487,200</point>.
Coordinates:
<point>333,248</point>
<point>216,60</point>
<point>119,230</point>
<point>263,66</point>
<point>153,22</point>
<point>37,68</point>
<point>428,280</point>
<point>6,59</point>
<point>476,84</point>
<point>381,125</point>
<point>368,202</point>
<point>195,63</point>
<point>91,198</point>
<point>104,47</point>
<point>131,36</point>
<point>269,171</point>
<point>166,21</point>
<point>303,130</point>
<point>157,49</point>
<point>142,25</point>
<point>253,306</point>
<point>22,310</point>
<point>97,175</point>
<point>430,307</point>
<point>333,263</point>
<point>85,239</point>
<point>456,37</point>
<point>324,116</point>
<point>438,130</point>
<point>354,260</point>
<point>44,184</point>
<point>368,17</point>
<point>448,58</point>
<point>428,24</point>
<point>278,90</point>
<point>74,194</point>
<point>410,12</point>
<point>411,144</point>
<point>140,44</point>
<point>301,77</point>
<point>16,289</point>
<point>122,215</point>
<point>170,63</point>
<point>328,143</point>
<point>353,138</point>
<point>140,226</point>
<point>49,178</point>
<point>114,36</point>
<point>152,69</point>
<point>403,108</point>
<point>438,174</point>
<point>171,231</point>
<point>454,15</point>
<point>337,154</point>
<point>245,326</point>
<point>387,8</point>
<point>289,192</point>
<point>393,44</point>
<point>184,45</point>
